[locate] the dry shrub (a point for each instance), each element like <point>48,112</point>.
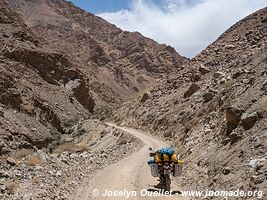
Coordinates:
<point>32,160</point>
<point>71,148</point>
<point>36,180</point>
<point>3,158</point>
<point>22,153</point>
<point>11,187</point>
<point>123,139</point>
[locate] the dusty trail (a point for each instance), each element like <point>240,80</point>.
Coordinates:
<point>130,174</point>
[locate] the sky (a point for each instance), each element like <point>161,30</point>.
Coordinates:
<point>187,25</point>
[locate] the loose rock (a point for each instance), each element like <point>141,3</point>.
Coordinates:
<point>144,97</point>
<point>191,90</point>
<point>208,96</point>
<point>203,69</point>
<point>249,120</point>
<point>11,161</point>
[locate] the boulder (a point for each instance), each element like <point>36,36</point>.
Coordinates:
<point>234,137</point>
<point>213,90</point>
<point>255,180</point>
<point>11,161</point>
<point>4,174</point>
<point>233,117</point>
<point>84,96</point>
<point>195,77</point>
<point>248,120</point>
<point>145,97</point>
<point>208,131</point>
<point>218,75</point>
<point>203,69</point>
<point>246,81</point>
<point>226,170</point>
<point>237,74</point>
<point>225,141</point>
<point>2,189</point>
<point>191,90</point>
<point>222,80</point>
<point>208,96</point>
<point>230,46</point>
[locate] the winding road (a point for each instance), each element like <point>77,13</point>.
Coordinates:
<point>129,178</point>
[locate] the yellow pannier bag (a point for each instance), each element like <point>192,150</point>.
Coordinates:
<point>181,162</point>
<point>166,158</point>
<point>174,158</point>
<point>158,157</point>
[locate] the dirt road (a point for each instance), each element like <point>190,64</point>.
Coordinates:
<point>128,179</point>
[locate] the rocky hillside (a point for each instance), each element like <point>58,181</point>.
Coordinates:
<point>61,65</point>
<point>119,64</point>
<point>39,95</point>
<point>215,110</point>
<point>48,142</point>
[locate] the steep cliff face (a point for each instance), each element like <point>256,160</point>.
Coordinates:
<point>120,64</point>
<point>214,110</point>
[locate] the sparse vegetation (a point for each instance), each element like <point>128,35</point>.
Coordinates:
<point>22,153</point>
<point>102,114</point>
<point>11,187</point>
<point>3,158</point>
<point>71,148</point>
<point>36,180</point>
<point>70,122</point>
<point>32,160</point>
<point>123,139</point>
